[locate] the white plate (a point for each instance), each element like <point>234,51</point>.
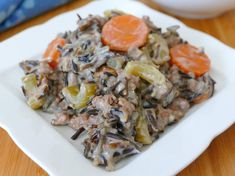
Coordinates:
<point>51,148</point>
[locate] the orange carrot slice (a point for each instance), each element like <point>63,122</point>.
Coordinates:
<point>125,31</point>
<point>189,59</point>
<point>52,51</point>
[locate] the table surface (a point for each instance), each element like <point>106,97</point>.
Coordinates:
<point>217,160</point>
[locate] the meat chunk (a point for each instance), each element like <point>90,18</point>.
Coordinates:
<point>62,118</point>
<point>85,121</point>
<point>172,113</point>
<point>180,104</point>
<point>29,66</point>
<point>85,23</point>
<point>104,103</point>
<point>126,107</point>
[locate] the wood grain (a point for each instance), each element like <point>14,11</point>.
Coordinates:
<point>217,160</point>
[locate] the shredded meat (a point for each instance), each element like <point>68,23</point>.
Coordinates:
<point>62,118</point>
<point>126,107</point>
<point>104,103</point>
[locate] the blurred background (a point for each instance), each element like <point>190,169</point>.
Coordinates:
<point>13,12</point>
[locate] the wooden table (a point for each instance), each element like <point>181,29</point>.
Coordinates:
<point>217,160</point>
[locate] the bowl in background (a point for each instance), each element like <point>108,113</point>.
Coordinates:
<point>197,9</point>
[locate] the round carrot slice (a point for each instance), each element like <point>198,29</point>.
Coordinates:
<point>125,31</point>
<point>52,51</point>
<point>189,59</point>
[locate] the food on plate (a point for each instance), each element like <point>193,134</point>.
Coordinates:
<point>190,59</point>
<point>53,52</point>
<point>119,81</point>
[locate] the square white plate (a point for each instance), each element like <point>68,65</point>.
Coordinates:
<point>52,148</point>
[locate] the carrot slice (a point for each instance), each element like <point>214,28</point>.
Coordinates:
<point>189,59</point>
<point>52,51</point>
<point>125,31</point>
<point>202,97</point>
